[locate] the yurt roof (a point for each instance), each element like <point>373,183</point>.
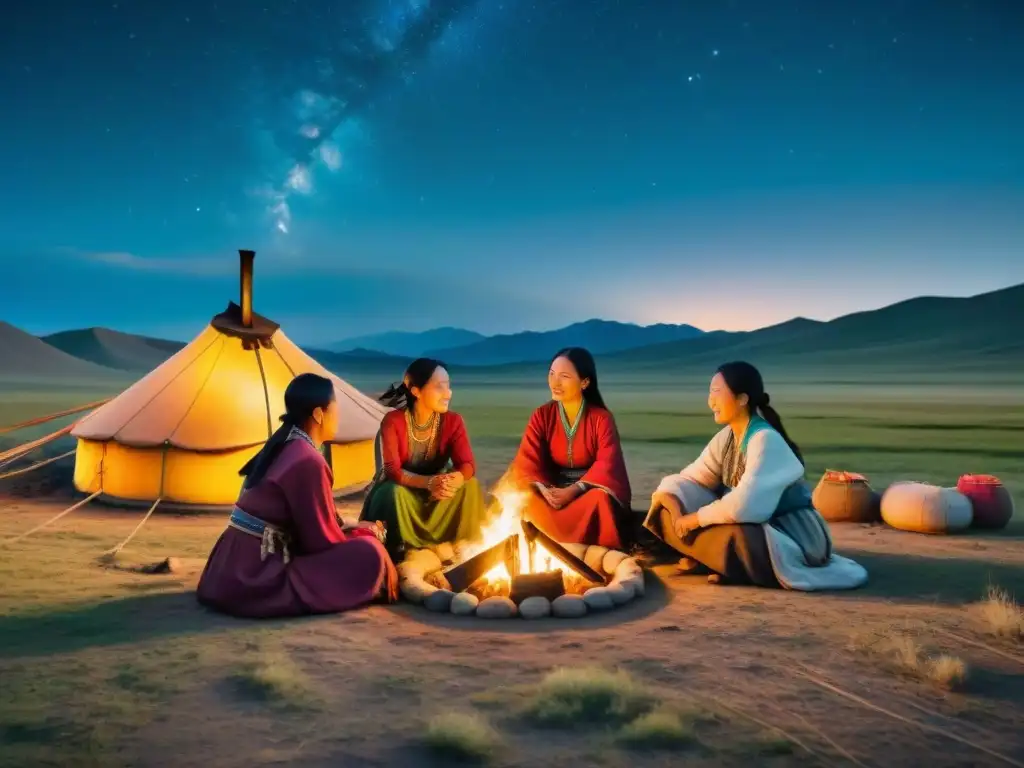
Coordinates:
<point>223,391</point>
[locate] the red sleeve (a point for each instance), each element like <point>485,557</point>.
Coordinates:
<point>533,461</point>
<point>390,449</point>
<point>307,487</point>
<point>608,471</point>
<point>460,451</point>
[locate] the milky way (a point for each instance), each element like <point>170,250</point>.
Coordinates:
<point>385,49</point>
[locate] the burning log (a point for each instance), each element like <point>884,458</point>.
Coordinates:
<point>549,584</point>
<point>533,533</point>
<point>461,576</point>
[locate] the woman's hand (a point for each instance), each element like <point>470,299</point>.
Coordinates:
<point>685,524</point>
<point>668,501</point>
<point>562,497</point>
<point>452,482</point>
<point>435,487</point>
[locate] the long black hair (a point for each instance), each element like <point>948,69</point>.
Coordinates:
<point>586,368</point>
<point>305,393</point>
<point>416,375</point>
<point>744,379</point>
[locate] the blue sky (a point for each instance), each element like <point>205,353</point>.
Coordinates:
<point>502,165</point>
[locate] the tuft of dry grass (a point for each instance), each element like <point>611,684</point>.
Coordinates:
<point>660,728</point>
<point>587,695</point>
<point>904,654</point>
<point>465,736</point>
<point>1000,614</point>
<point>273,677</point>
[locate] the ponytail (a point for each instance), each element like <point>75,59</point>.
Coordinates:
<point>770,415</point>
<point>256,467</point>
<point>398,396</point>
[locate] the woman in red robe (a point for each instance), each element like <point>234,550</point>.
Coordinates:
<point>284,552</point>
<point>571,459</point>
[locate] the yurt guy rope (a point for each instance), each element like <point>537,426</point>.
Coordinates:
<point>112,553</point>
<point>12,454</point>
<point>53,519</point>
<point>896,716</point>
<point>43,463</point>
<point>43,419</point>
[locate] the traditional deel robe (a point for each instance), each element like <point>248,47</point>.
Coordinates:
<point>284,552</point>
<point>752,497</point>
<point>554,452</point>
<point>412,517</point>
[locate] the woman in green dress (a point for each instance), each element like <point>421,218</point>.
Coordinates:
<point>426,490</point>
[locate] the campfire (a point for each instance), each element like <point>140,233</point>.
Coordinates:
<point>516,559</point>
<point>515,568</point>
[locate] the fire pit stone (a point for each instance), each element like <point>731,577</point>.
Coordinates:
<point>464,604</point>
<point>536,607</point>
<point>569,607</point>
<point>624,575</point>
<point>496,608</point>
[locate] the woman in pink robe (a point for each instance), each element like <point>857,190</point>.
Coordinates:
<point>571,459</point>
<point>284,552</point>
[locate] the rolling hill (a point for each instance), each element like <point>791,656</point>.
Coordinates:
<point>599,336</point>
<point>114,349</point>
<point>409,344</point>
<point>24,357</point>
<point>925,332</point>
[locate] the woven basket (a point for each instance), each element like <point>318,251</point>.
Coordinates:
<point>846,497</point>
<point>990,499</point>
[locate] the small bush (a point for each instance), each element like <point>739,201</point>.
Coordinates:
<point>1001,615</point>
<point>462,736</point>
<point>659,729</point>
<point>587,696</point>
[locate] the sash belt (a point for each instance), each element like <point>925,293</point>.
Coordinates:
<point>271,538</point>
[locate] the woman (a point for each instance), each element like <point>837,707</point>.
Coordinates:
<point>426,490</point>
<point>571,459</point>
<point>283,552</point>
<point>742,509</point>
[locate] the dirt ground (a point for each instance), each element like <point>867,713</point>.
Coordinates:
<point>106,666</point>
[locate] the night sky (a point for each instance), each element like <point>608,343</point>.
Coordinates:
<point>502,164</point>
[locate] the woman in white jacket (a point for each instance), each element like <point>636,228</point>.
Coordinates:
<point>742,509</point>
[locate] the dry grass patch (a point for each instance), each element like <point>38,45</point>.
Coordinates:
<point>661,728</point>
<point>464,736</point>
<point>904,654</point>
<point>274,678</point>
<point>1001,615</point>
<point>587,696</point>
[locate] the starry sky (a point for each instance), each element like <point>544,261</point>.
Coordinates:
<point>503,165</point>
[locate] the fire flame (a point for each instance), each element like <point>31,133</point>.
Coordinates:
<point>508,521</point>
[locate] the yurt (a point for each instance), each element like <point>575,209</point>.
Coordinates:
<point>182,432</point>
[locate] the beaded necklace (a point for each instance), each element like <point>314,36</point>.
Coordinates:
<point>570,431</point>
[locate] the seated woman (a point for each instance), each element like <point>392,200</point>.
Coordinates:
<point>426,490</point>
<point>571,458</point>
<point>742,509</point>
<point>283,552</point>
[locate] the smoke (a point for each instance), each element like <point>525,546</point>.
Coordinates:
<point>382,53</point>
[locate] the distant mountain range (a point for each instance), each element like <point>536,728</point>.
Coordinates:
<point>602,337</point>
<point>409,344</point>
<point>979,333</point>
<point>462,347</point>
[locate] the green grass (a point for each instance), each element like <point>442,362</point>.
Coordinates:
<point>89,654</point>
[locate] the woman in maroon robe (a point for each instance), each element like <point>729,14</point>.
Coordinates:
<point>571,458</point>
<point>284,552</point>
